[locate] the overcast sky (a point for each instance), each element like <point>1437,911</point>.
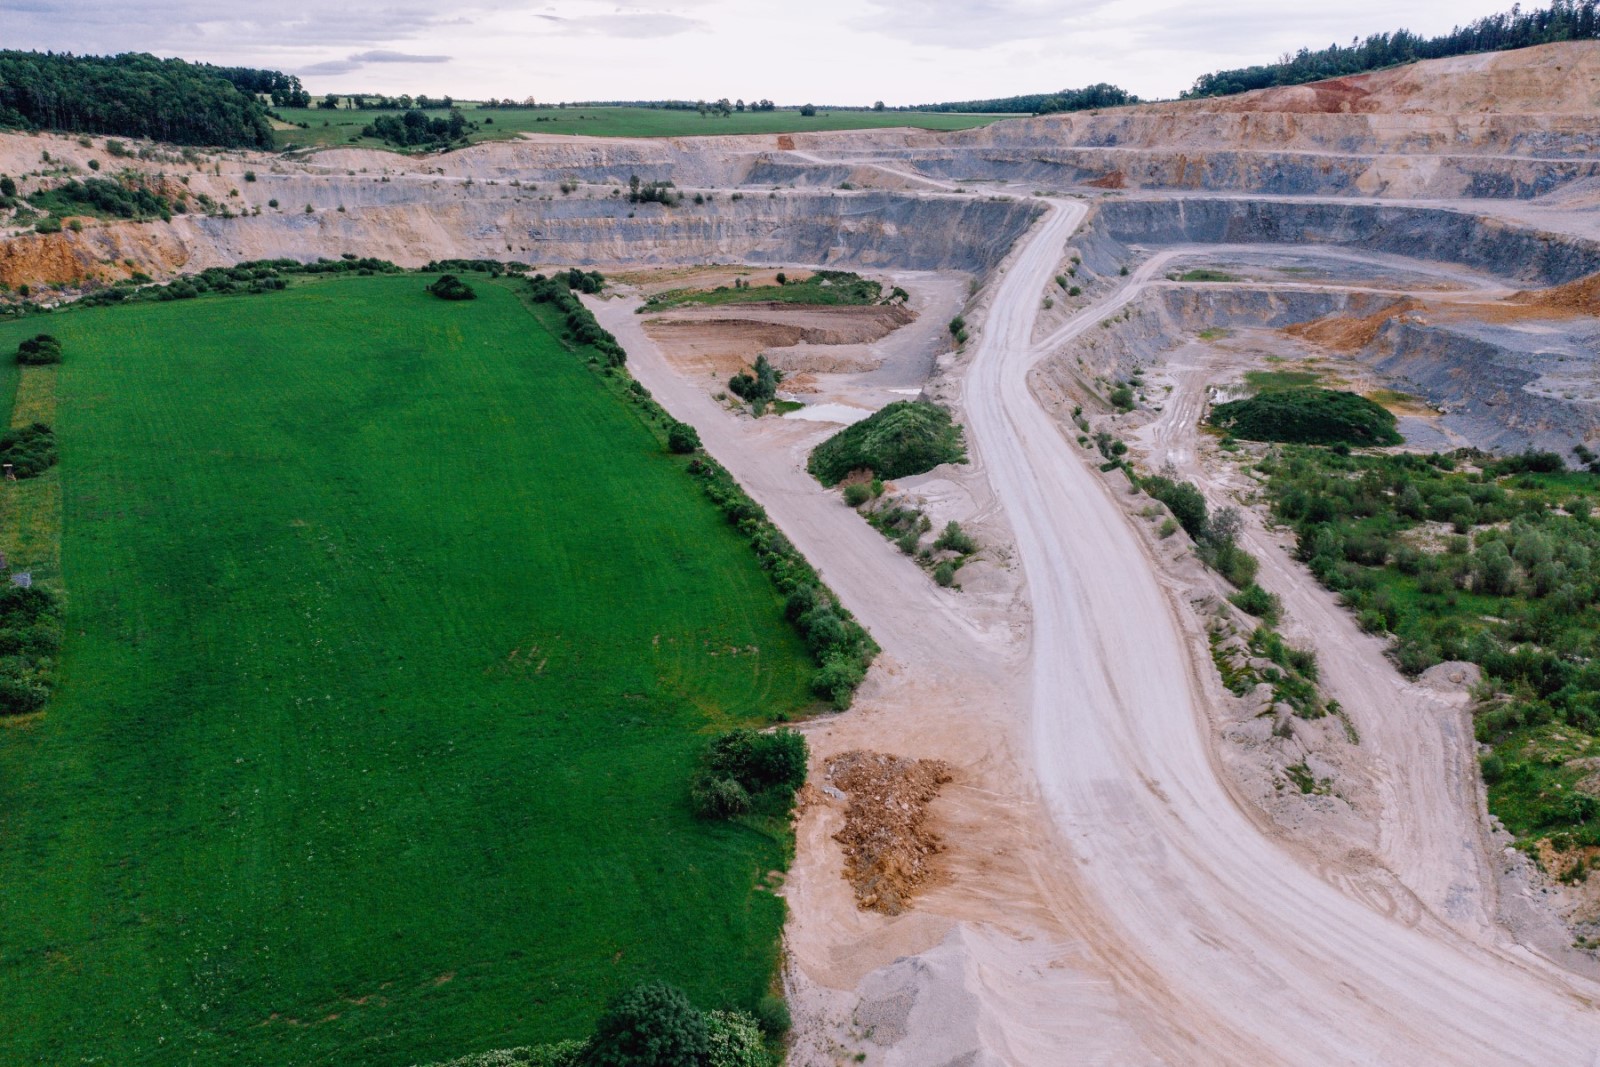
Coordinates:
<point>825,51</point>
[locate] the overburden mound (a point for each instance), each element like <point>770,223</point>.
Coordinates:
<point>1308,416</point>
<point>905,438</point>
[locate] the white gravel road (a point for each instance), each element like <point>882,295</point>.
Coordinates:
<point>1225,933</point>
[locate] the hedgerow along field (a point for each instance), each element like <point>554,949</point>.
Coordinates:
<point>343,126</point>
<point>394,637</point>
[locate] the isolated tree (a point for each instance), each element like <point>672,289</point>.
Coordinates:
<point>330,102</point>
<point>877,105</point>
<point>808,110</point>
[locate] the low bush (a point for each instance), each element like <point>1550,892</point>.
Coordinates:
<point>772,1015</point>
<point>31,449</point>
<point>1308,415</point>
<point>955,539</point>
<point>39,350</point>
<point>450,287</point>
<point>683,438</point>
<point>907,437</point>
<point>1182,499</point>
<point>945,573</point>
<point>30,626</point>
<point>857,493</point>
<point>1254,600</point>
<point>760,761</point>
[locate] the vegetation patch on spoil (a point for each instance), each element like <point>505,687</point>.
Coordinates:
<point>1204,274</point>
<point>1492,561</point>
<point>907,437</point>
<point>1308,415</point>
<point>887,846</point>
<point>903,522</point>
<point>825,288</point>
<point>394,639</point>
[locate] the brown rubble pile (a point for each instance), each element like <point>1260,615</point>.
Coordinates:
<point>888,850</point>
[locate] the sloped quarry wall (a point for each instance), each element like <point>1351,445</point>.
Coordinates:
<point>1528,256</point>
<point>1503,388</point>
<point>412,226</point>
<point>1507,388</point>
<point>1275,173</point>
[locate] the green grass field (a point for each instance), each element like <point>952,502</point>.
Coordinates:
<point>393,635</point>
<point>339,127</point>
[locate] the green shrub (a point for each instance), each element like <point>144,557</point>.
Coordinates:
<point>449,287</point>
<point>760,384</point>
<point>651,1025</point>
<point>1308,415</point>
<point>772,1015</point>
<point>907,437</point>
<point>717,798</point>
<point>1254,600</point>
<point>857,493</point>
<point>955,539</point>
<point>1122,398</point>
<point>1185,502</point>
<point>39,350</point>
<point>945,573</point>
<point>744,770</point>
<point>735,1041</point>
<point>838,680</point>
<point>683,438</point>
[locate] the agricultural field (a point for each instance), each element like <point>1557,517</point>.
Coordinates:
<point>343,127</point>
<point>393,639</point>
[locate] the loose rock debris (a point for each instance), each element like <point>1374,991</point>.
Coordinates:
<point>887,848</point>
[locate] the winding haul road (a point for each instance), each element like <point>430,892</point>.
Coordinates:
<point>1244,954</point>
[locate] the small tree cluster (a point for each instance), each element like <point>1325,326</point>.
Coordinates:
<point>758,384</point>
<point>39,350</point>
<point>450,287</point>
<point>743,771</point>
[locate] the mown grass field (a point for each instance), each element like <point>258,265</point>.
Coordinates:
<point>340,126</point>
<point>392,637</point>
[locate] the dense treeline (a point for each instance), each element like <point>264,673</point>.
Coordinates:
<point>1563,20</point>
<point>133,95</point>
<point>284,90</point>
<point>1085,99</point>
